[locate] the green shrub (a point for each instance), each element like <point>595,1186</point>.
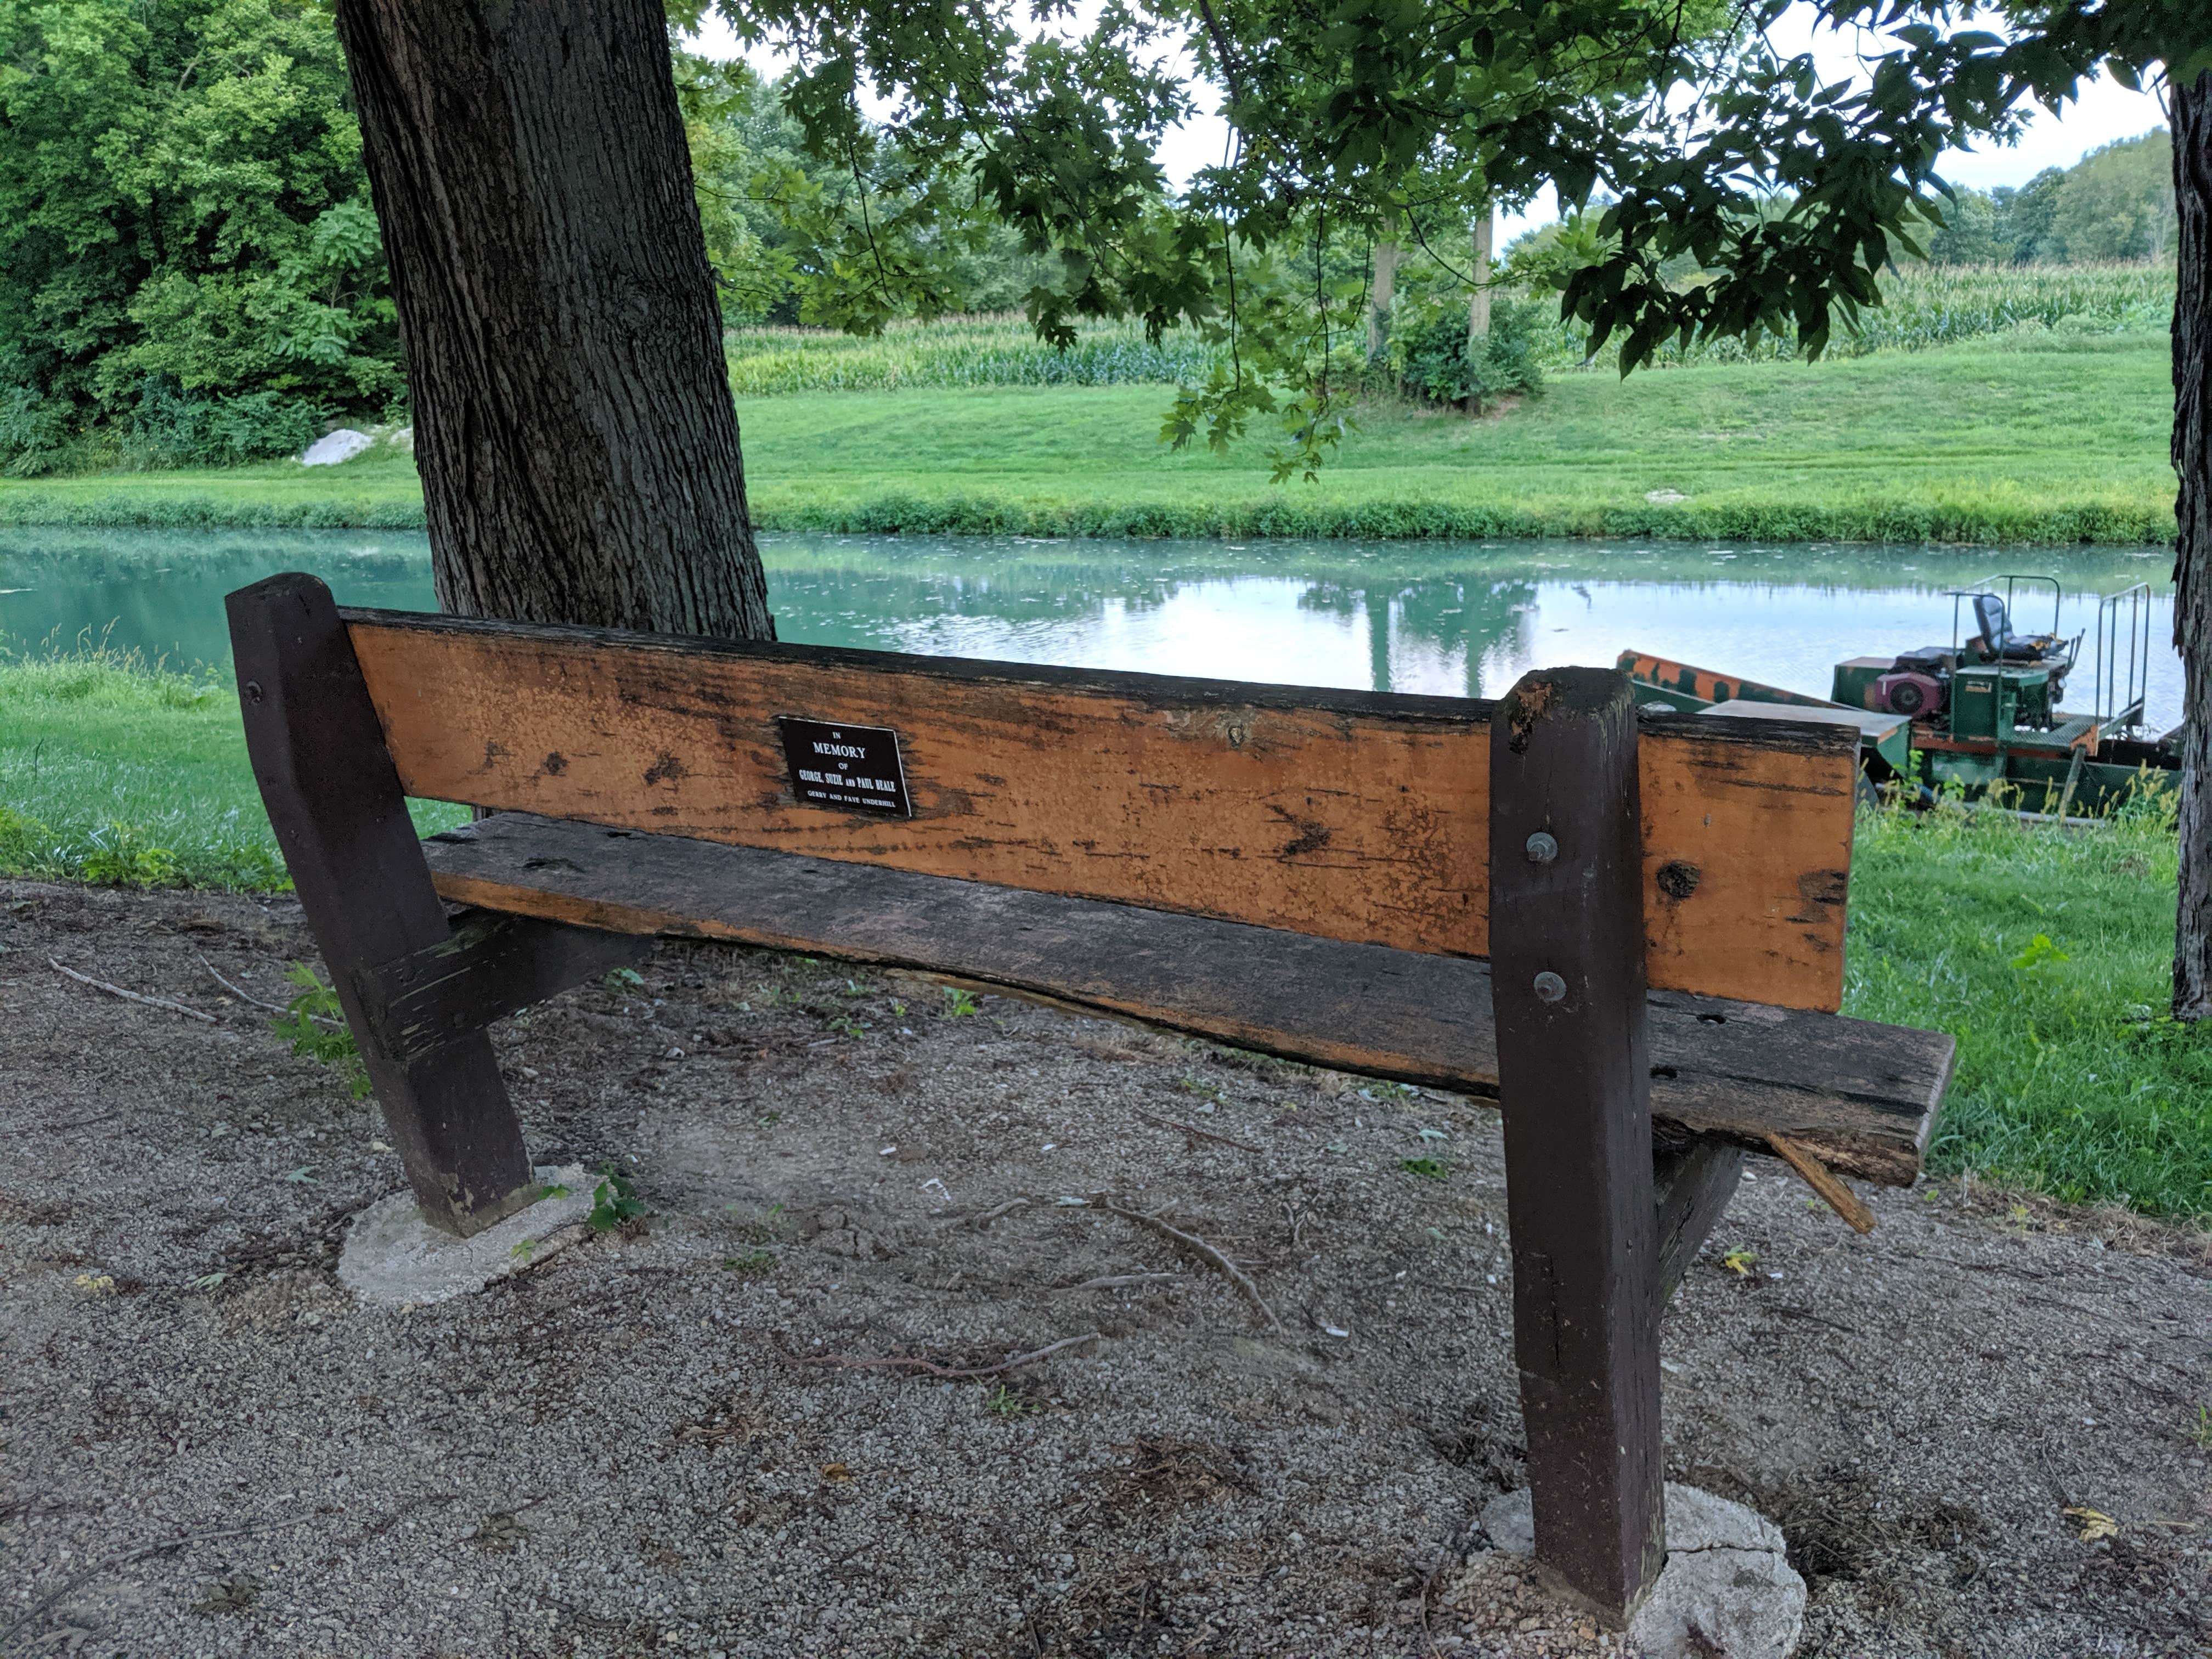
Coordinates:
<point>1430,356</point>
<point>173,428</point>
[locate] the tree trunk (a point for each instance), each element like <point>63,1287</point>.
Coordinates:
<point>1384,291</point>
<point>573,420</point>
<point>2192,565</point>
<point>1478,307</point>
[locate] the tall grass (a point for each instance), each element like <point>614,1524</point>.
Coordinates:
<point>2028,306</point>
<point>957,351</point>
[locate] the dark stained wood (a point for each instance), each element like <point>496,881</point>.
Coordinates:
<point>1354,816</point>
<point>1694,1183</point>
<point>1865,1092</point>
<point>493,966</point>
<point>1574,1083</point>
<point>335,805</point>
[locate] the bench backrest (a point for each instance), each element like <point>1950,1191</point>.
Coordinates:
<point>1355,815</point>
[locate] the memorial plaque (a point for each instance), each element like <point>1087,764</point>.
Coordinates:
<point>853,768</point>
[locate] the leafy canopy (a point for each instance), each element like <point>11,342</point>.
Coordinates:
<point>1691,135</point>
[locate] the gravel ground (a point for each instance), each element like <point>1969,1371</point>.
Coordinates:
<point>649,1442</point>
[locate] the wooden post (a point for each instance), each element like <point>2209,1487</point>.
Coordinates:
<point>1566,930</point>
<point>333,798</point>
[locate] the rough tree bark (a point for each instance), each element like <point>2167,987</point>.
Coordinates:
<point>1477,304</point>
<point>2192,566</point>
<point>573,420</point>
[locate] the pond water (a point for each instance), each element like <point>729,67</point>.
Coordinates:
<point>1456,618</point>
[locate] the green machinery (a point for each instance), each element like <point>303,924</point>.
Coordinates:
<point>1983,713</point>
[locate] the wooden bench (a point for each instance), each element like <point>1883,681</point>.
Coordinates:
<point>1631,935</point>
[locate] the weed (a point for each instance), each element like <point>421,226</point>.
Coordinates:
<point>2200,1433</point>
<point>1003,1402</point>
<point>958,1003</point>
<point>1740,1261</point>
<point>757,1260</point>
<point>615,1202</point>
<point>307,1024</point>
<point>118,858</point>
<point>1429,1169</point>
<point>625,977</point>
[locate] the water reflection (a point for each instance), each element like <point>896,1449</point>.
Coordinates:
<point>1456,619</point>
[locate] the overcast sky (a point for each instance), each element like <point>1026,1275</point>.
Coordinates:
<point>2106,110</point>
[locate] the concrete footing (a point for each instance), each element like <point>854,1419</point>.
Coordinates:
<point>393,1258</point>
<point>1726,1592</point>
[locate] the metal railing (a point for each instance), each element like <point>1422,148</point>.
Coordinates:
<point>2124,674</point>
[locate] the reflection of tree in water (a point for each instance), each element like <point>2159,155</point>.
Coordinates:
<point>1468,619</point>
<point>852,606</point>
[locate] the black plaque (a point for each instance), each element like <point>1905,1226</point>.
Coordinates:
<point>852,769</point>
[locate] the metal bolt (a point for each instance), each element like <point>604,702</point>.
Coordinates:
<point>1550,988</point>
<point>253,690</point>
<point>1543,849</point>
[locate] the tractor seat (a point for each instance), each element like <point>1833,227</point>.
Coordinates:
<point>1998,640</point>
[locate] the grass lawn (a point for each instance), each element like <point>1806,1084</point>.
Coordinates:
<point>1989,441</point>
<point>2068,1081</point>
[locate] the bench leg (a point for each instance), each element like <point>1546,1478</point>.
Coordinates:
<point>1566,938</point>
<point>333,798</point>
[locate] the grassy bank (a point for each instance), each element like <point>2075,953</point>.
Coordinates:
<point>111,773</point>
<point>2068,1081</point>
<point>2047,438</point>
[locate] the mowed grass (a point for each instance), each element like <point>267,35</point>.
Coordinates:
<point>1970,444</point>
<point>2070,1081</point>
<point>377,490</point>
<point>1988,443</point>
<point>114,772</point>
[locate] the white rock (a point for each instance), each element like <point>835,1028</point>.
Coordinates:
<point>393,1258</point>
<point>332,448</point>
<point>403,439</point>
<point>1664,497</point>
<point>1726,1592</point>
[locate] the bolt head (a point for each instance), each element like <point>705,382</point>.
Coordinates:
<point>1541,848</point>
<point>1549,986</point>
<point>253,691</point>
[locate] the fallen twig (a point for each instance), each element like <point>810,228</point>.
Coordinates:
<point>138,1554</point>
<point>1006,1209</point>
<point>1193,1130</point>
<point>1207,1254</point>
<point>929,1368</point>
<point>1816,1174</point>
<point>131,996</point>
<point>1119,1281</point>
<point>273,1007</point>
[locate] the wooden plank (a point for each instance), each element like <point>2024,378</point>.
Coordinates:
<point>335,803</point>
<point>1694,1183</point>
<point>492,966</point>
<point>1865,1094</point>
<point>1356,816</point>
<point>1574,1081</point>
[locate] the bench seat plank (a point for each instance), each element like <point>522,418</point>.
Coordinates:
<point>1863,1095</point>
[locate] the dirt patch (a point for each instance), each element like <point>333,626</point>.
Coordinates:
<point>620,1451</point>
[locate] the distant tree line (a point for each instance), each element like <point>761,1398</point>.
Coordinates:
<point>2116,203</point>
<point>191,272</point>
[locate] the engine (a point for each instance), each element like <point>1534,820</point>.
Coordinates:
<point>1910,693</point>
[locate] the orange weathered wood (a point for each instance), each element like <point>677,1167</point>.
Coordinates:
<point>1354,816</point>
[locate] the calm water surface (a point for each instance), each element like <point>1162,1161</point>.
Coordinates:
<point>1456,618</point>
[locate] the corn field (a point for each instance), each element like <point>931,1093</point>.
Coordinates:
<point>956,351</point>
<point>1927,307</point>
